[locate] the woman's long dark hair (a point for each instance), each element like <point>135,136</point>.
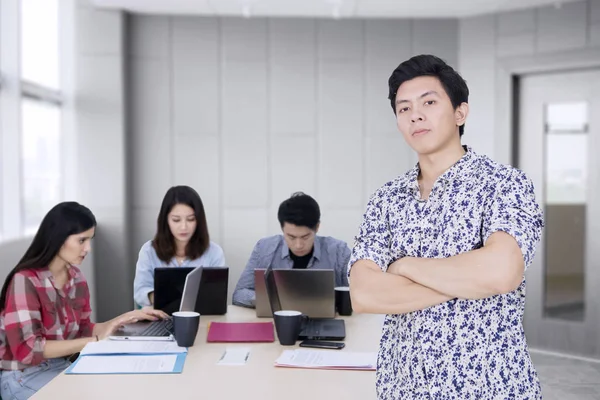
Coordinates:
<point>164,241</point>
<point>63,220</point>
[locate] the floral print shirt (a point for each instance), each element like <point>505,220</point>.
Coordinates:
<point>461,349</point>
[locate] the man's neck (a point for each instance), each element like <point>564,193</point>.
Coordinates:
<point>435,164</point>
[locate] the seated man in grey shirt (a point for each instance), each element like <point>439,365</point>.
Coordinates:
<point>298,247</point>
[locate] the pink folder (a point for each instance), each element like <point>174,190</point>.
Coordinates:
<point>241,332</point>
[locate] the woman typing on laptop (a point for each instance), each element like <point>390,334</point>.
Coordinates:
<point>181,240</point>
<point>45,304</point>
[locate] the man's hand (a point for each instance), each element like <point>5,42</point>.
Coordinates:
<point>398,266</point>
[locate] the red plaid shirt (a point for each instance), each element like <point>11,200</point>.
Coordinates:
<point>37,311</point>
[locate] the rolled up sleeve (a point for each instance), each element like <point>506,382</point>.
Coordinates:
<point>23,321</point>
<point>373,239</point>
<point>514,210</point>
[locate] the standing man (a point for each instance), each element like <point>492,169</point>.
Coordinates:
<point>442,250</point>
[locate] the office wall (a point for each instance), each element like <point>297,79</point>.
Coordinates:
<point>248,111</point>
<point>99,126</point>
<point>94,132</point>
<point>486,41</point>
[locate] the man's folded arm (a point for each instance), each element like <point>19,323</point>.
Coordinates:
<point>377,292</point>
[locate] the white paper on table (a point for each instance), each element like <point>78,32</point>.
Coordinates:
<point>125,364</point>
<point>133,347</point>
<point>235,356</point>
<point>303,358</point>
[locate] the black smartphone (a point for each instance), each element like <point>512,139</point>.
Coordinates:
<point>320,344</point>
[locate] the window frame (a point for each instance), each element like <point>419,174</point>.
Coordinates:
<point>13,89</point>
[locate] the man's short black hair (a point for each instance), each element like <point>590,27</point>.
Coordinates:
<point>300,210</point>
<point>429,65</point>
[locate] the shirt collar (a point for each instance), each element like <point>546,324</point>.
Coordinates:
<point>45,273</point>
<point>285,250</point>
<point>458,170</point>
<point>461,168</point>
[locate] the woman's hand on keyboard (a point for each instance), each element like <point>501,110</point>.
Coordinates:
<point>150,310</point>
<point>105,329</point>
<point>146,313</point>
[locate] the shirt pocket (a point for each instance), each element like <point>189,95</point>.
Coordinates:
<point>79,310</point>
<point>76,312</point>
<point>78,306</point>
<point>50,315</point>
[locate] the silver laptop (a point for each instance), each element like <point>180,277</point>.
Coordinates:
<point>163,329</point>
<point>310,291</point>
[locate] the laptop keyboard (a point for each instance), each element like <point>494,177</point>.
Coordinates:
<point>163,327</point>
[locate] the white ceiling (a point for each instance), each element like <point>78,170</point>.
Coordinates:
<point>327,8</point>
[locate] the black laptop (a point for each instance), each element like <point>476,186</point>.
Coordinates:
<point>212,294</point>
<point>162,329</point>
<point>312,328</point>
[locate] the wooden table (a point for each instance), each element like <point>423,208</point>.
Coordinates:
<point>259,379</point>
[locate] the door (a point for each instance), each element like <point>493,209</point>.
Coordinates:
<point>559,148</point>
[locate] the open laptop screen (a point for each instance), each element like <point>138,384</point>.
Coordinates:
<point>212,295</point>
<point>310,291</point>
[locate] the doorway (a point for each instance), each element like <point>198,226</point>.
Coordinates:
<point>559,148</point>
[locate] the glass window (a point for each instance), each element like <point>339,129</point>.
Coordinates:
<point>39,42</point>
<point>566,177</point>
<point>40,161</point>
<point>567,116</point>
<point>566,168</point>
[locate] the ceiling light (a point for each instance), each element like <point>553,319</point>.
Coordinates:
<point>336,8</point>
<point>247,7</point>
<point>246,11</point>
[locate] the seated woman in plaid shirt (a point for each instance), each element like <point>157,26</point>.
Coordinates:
<point>45,304</point>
